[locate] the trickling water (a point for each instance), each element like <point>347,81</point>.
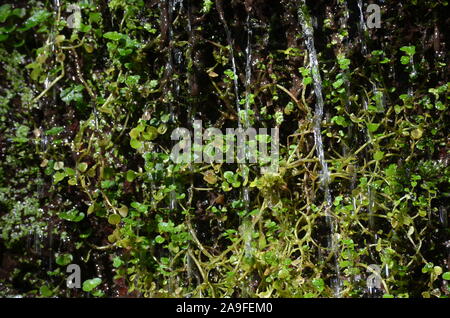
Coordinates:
<point>248,72</point>
<point>370,195</point>
<point>380,99</point>
<point>233,62</point>
<point>305,21</point>
<point>370,209</point>
<point>173,200</point>
<point>345,13</point>
<point>44,140</point>
<point>362,28</point>
<point>171,88</point>
<point>247,222</point>
<point>37,242</point>
<point>246,227</point>
<point>443,217</point>
<point>166,9</point>
<point>44,146</point>
<point>413,68</point>
<point>412,76</point>
<point>318,114</point>
<point>246,121</point>
<point>57,8</point>
<point>50,244</point>
<point>344,45</point>
<point>190,267</point>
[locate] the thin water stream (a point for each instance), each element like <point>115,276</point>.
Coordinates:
<point>308,32</point>
<point>362,28</point>
<point>233,61</point>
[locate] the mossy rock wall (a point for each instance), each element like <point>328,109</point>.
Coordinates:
<point>89,97</point>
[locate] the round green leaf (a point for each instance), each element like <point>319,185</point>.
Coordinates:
<point>90,284</point>
<point>136,144</point>
<point>114,219</point>
<point>64,259</point>
<point>417,133</point>
<point>131,175</point>
<point>134,133</point>
<point>123,210</point>
<point>45,291</point>
<point>378,155</point>
<point>151,133</point>
<point>159,239</point>
<point>82,166</point>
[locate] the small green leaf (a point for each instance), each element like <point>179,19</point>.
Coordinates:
<point>319,284</point>
<point>58,177</point>
<point>340,120</point>
<point>69,172</point>
<point>437,270</point>
<point>372,127</point>
<point>307,80</point>
<point>446,276</point>
<point>5,12</point>
<point>140,207</point>
<point>45,291</point>
<point>72,215</point>
<point>131,175</point>
<point>91,209</point>
<point>440,105</point>
<point>132,80</point>
<point>54,131</point>
<point>210,177</point>
<point>106,184</point>
<point>427,268</point>
<point>151,133</point>
<point>114,36</point>
<point>95,17</point>
<point>378,155</point>
<point>59,165</point>
<point>417,133</point>
<point>37,18</point>
<point>82,166</point>
<point>225,186</point>
<point>73,93</point>
<point>338,83</point>
<point>228,175</point>
<point>114,219</point>
<point>344,63</point>
<point>90,284</point>
<point>410,50</point>
<point>123,210</point>
<point>164,118</point>
<point>136,144</point>
<point>162,129</point>
<point>4,37</point>
<point>134,133</point>
<point>64,259</point>
<point>159,239</point>
<point>117,262</point>
<point>404,59</point>
<point>140,128</point>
